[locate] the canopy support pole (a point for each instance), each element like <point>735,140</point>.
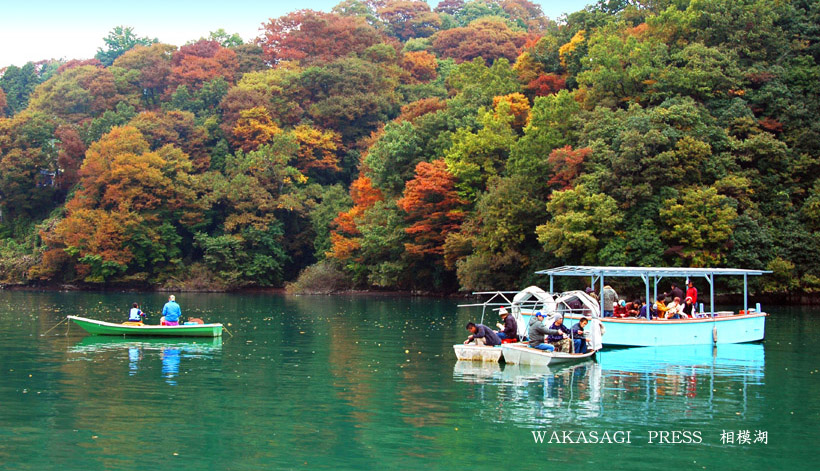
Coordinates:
<point>711,279</point>
<point>645,279</point>
<point>552,289</point>
<point>601,301</point>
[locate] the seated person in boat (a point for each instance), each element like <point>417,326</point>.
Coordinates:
<point>135,316</point>
<point>673,309</point>
<point>560,340</point>
<point>578,340</point>
<point>482,335</point>
<point>644,310</point>
<point>689,308</point>
<point>509,329</point>
<point>171,312</point>
<point>619,309</point>
<point>660,307</point>
<point>537,331</point>
<point>633,309</point>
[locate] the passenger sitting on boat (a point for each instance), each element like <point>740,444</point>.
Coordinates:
<point>578,340</point>
<point>560,340</point>
<point>509,329</point>
<point>171,312</point>
<point>536,331</point>
<point>689,308</point>
<point>633,309</point>
<point>482,335</point>
<point>644,310</point>
<point>660,307</point>
<point>673,309</point>
<point>135,315</point>
<point>619,309</point>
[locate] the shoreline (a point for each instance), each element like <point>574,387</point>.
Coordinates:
<point>257,290</point>
<point>795,299</point>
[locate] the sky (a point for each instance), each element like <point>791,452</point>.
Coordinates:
<point>32,30</point>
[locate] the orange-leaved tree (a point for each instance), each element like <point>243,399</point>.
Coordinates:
<point>194,64</point>
<point>127,215</point>
<point>345,235</point>
<point>432,208</point>
<point>420,64</point>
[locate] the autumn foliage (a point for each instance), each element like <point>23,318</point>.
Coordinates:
<point>345,237</point>
<point>380,139</point>
<point>433,209</point>
<point>487,38</point>
<point>567,165</point>
<point>421,65</point>
<point>197,63</point>
<point>311,37</point>
<point>546,84</point>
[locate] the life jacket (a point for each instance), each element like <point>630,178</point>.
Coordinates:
<point>135,315</point>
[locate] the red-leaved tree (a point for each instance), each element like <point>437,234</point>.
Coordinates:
<point>566,165</point>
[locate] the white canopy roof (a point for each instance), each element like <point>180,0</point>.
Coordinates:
<point>585,270</point>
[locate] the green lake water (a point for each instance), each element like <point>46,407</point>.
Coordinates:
<point>372,383</point>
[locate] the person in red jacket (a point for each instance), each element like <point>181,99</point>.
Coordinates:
<point>692,292</point>
<point>619,309</point>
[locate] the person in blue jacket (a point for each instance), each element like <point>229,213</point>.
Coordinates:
<point>171,312</point>
<point>578,340</point>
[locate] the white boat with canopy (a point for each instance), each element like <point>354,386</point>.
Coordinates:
<point>521,305</point>
<point>708,327</point>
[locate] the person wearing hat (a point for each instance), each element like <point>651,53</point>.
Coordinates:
<point>560,339</point>
<point>689,308</point>
<point>537,331</point>
<point>619,309</point>
<point>171,312</point>
<point>509,329</point>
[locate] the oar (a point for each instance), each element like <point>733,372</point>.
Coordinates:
<point>55,326</point>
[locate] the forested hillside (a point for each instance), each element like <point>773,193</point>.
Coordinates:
<point>390,145</point>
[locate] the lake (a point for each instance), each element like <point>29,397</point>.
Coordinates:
<point>371,382</point>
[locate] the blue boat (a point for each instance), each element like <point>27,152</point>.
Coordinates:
<point>710,327</point>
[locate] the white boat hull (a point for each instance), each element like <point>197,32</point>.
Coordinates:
<point>518,354</point>
<point>477,353</point>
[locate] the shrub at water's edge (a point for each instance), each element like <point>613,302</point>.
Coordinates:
<point>320,278</point>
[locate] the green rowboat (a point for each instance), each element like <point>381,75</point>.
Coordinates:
<point>95,327</point>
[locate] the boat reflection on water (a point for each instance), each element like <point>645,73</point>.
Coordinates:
<point>692,371</point>
<point>640,383</point>
<point>171,352</point>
